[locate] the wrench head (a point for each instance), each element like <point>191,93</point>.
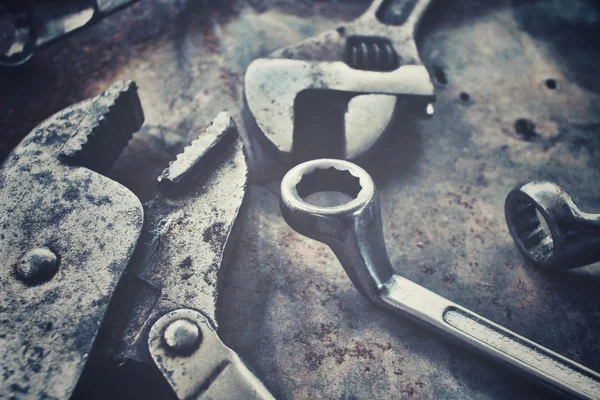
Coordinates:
<point>290,109</point>
<point>73,228</point>
<point>549,229</point>
<point>534,212</point>
<point>352,230</point>
<point>325,224</point>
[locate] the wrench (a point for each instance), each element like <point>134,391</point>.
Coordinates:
<point>38,24</point>
<point>367,69</point>
<point>354,232</point>
<point>574,236</point>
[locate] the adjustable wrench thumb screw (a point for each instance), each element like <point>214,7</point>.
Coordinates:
<point>572,238</point>
<point>354,232</point>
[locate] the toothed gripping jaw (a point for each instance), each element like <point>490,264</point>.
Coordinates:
<point>59,215</point>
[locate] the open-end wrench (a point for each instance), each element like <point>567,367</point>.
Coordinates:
<point>572,238</point>
<point>371,64</point>
<point>354,232</point>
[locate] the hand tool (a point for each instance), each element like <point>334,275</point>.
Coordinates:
<point>68,234</point>
<point>368,68</point>
<point>39,23</point>
<point>549,229</point>
<point>354,232</point>
<point>165,309</point>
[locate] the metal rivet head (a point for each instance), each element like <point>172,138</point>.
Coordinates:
<point>182,336</point>
<point>37,264</point>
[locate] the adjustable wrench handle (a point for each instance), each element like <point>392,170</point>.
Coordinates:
<point>354,232</point>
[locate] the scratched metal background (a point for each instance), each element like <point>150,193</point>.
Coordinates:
<point>288,307</point>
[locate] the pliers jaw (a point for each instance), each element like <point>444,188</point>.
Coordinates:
<point>67,235</point>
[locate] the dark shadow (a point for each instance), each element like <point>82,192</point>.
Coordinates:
<point>130,380</point>
<point>319,125</point>
<point>69,71</point>
<point>399,151</point>
<point>572,29</point>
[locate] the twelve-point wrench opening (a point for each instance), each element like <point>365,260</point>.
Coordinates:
<point>570,237</point>
<point>352,230</point>
<point>530,228</point>
<point>320,176</point>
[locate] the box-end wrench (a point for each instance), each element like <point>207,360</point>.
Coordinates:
<point>354,232</point>
<point>572,238</point>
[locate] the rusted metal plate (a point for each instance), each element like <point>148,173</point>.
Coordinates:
<point>517,99</point>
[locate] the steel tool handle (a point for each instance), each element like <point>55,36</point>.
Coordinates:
<point>408,298</point>
<point>354,233</point>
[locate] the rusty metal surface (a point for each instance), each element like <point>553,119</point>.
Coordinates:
<point>517,99</point>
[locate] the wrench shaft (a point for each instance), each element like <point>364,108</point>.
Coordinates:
<point>408,298</point>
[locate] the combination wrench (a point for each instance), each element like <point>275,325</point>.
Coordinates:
<point>354,232</point>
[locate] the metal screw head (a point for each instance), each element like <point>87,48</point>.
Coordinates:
<point>182,336</point>
<point>38,263</point>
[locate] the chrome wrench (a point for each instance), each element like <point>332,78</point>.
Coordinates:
<point>572,239</point>
<point>373,66</point>
<point>354,232</point>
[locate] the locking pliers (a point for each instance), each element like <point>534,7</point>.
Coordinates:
<point>83,255</point>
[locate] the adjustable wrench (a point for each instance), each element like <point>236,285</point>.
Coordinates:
<point>39,23</point>
<point>371,64</point>
<point>573,236</point>
<point>354,232</point>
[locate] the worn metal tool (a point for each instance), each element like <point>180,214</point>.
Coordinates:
<point>33,24</point>
<point>549,229</point>
<point>363,71</point>
<point>164,310</point>
<point>68,233</point>
<point>354,232</point>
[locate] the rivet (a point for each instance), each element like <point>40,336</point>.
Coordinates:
<point>37,263</point>
<point>182,336</point>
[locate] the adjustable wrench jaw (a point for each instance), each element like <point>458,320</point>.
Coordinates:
<point>571,237</point>
<point>67,235</point>
<point>365,60</point>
